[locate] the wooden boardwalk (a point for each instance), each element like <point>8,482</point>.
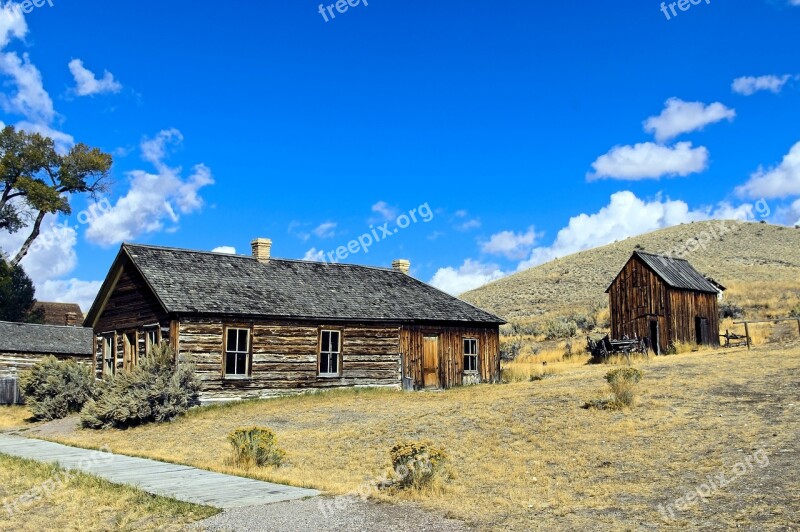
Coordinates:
<point>180,482</point>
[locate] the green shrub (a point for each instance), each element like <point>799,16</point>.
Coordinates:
<point>54,388</point>
<point>729,309</point>
<point>623,383</point>
<point>416,464</point>
<point>157,390</point>
<point>255,446</point>
<point>560,329</point>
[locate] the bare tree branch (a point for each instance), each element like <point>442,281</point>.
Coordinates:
<point>37,225</point>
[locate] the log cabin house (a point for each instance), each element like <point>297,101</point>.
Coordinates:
<point>665,300</point>
<point>24,344</point>
<point>256,326</point>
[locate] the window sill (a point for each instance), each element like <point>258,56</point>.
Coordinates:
<point>471,372</point>
<point>329,376</point>
<point>236,378</point>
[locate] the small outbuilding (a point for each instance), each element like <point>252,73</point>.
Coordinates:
<point>24,344</point>
<point>665,300</point>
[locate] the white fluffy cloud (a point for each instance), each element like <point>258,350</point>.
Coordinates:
<point>385,212</point>
<point>648,160</point>
<point>749,85</point>
<point>778,182</point>
<point>510,244</point>
<point>153,200</point>
<point>69,291</point>
<point>470,275</point>
<point>325,230</point>
<point>225,250</point>
<point>87,84</point>
<point>680,117</point>
<point>315,255</point>
<point>28,98</point>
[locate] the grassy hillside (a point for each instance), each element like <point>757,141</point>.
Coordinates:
<point>758,263</point>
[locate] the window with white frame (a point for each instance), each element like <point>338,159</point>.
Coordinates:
<point>470,355</point>
<point>237,352</point>
<point>151,339</point>
<point>109,355</point>
<point>329,351</point>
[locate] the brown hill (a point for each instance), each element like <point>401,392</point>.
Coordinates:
<point>759,264</point>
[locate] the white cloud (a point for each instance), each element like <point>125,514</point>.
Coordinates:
<point>12,24</point>
<point>749,85</point>
<point>470,275</point>
<point>650,161</point>
<point>69,291</point>
<point>87,84</point>
<point>680,117</point>
<point>325,230</point>
<point>226,250</point>
<point>385,211</point>
<point>315,255</point>
<point>778,182</point>
<point>511,244</point>
<point>626,215</point>
<point>153,200</point>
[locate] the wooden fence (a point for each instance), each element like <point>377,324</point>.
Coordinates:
<point>9,391</point>
<point>748,323</point>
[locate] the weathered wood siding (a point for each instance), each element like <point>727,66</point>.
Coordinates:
<point>638,297</point>
<point>451,353</point>
<point>130,305</point>
<point>284,357</point>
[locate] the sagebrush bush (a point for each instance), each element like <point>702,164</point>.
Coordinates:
<point>623,382</point>
<point>415,464</point>
<point>560,329</point>
<point>54,388</point>
<point>729,309</point>
<point>255,446</point>
<point>157,390</point>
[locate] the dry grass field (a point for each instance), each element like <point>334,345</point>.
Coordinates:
<point>758,263</point>
<point>77,502</point>
<point>526,455</point>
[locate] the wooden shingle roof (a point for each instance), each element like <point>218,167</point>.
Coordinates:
<point>193,282</point>
<point>45,339</point>
<point>676,273</point>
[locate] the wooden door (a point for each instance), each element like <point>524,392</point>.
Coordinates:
<point>430,362</point>
<point>130,354</point>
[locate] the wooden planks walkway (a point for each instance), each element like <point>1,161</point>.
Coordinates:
<point>180,482</point>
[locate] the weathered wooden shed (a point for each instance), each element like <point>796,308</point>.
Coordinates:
<point>24,344</point>
<point>255,326</point>
<point>665,300</point>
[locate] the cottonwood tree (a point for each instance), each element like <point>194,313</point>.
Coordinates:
<point>36,180</point>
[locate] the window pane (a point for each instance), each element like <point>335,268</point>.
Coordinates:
<point>243,343</point>
<point>241,364</point>
<point>334,363</point>
<point>326,341</point>
<point>230,364</point>
<point>334,342</point>
<point>231,340</point>
<point>323,364</point>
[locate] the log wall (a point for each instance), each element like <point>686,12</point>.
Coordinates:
<point>451,354</point>
<point>284,357</point>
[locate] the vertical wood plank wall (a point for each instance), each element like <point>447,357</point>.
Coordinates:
<point>451,354</point>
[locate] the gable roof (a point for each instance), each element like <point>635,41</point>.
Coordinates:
<point>197,282</point>
<point>45,339</point>
<point>56,313</point>
<point>676,273</point>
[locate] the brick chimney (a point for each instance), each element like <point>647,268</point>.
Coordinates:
<point>71,319</point>
<point>401,265</point>
<point>261,249</point>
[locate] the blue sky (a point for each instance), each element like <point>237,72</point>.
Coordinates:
<point>530,129</point>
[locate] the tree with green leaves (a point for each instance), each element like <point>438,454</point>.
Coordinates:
<point>36,180</point>
<point>17,295</point>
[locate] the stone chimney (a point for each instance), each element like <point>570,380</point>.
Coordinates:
<point>401,265</point>
<point>261,249</point>
<point>71,319</point>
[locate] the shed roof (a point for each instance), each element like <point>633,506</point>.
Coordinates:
<point>45,339</point>
<point>676,273</point>
<point>196,282</point>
